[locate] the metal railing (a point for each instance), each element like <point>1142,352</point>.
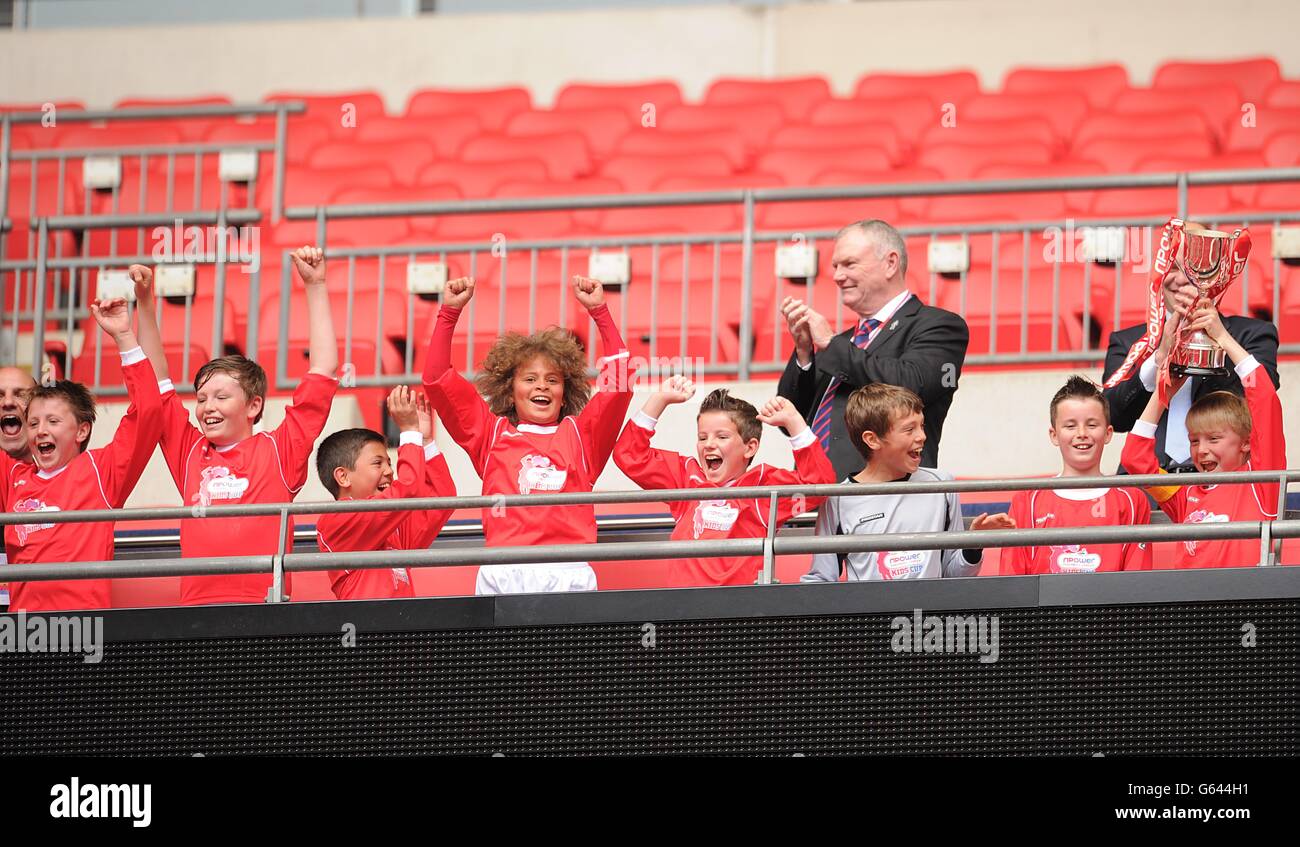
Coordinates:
<point>731,348</point>
<point>33,286</point>
<point>1270,533</point>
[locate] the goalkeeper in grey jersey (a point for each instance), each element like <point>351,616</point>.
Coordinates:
<point>886,424</point>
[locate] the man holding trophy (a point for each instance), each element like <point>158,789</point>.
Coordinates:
<point>1192,270</point>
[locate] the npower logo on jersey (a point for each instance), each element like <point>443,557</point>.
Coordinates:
<point>93,800</point>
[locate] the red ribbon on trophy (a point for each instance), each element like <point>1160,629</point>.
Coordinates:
<point>1212,261</point>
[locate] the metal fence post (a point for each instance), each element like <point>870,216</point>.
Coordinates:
<point>38,327</point>
<point>768,574</point>
<point>275,594</point>
<point>747,289</point>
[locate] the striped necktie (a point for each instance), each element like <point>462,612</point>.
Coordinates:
<point>821,425</point>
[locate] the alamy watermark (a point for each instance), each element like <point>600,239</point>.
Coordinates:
<point>946,634</point>
<point>53,634</point>
<point>201,244</point>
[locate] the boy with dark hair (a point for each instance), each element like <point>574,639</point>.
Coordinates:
<point>1226,433</point>
<point>64,475</point>
<point>353,465</point>
<point>728,432</point>
<point>887,424</point>
<point>1080,429</point>
<point>223,461</point>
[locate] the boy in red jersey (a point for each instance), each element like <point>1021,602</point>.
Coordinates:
<point>1226,433</point>
<point>353,465</point>
<point>728,433</point>
<point>537,432</point>
<point>1080,430</point>
<point>64,475</point>
<point>223,462</point>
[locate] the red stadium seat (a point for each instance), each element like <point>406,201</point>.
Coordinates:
<point>1142,125</point>
<point>192,129</point>
<point>480,179</point>
<point>602,128</point>
<point>939,88</point>
<point>124,134</point>
<point>493,106</point>
<point>801,167</point>
<point>911,115</point>
<point>447,133</point>
<point>662,142</point>
<point>1254,133</point>
<point>405,158</point>
<point>1121,155</point>
<point>910,209</point>
<point>1098,83</point>
<point>728,217</point>
<point>877,134</point>
<point>342,113</point>
<point>754,121</point>
<point>1253,77</point>
<point>303,136</point>
<point>978,309</point>
<point>803,215</point>
<point>364,311</point>
<point>305,186</point>
<point>1284,94</point>
<point>1283,150</point>
<point>365,231</point>
<point>48,199</point>
<point>566,154</point>
<point>960,161</point>
<point>528,225</point>
<point>1209,198</point>
<point>1219,102</point>
<point>796,96</point>
<point>1075,201</point>
<point>1005,131</point>
<point>1063,110</point>
<point>641,173</point>
<point>630,98</point>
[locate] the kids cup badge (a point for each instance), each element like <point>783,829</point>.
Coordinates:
<point>1212,261</point>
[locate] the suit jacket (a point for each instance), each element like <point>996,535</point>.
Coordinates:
<point>922,348</point>
<point>1129,398</point>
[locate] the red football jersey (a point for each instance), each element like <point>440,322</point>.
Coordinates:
<point>96,479</point>
<point>421,472</point>
<point>526,458</point>
<point>1079,507</point>
<point>1221,503</point>
<point>267,467</point>
<point>652,468</point>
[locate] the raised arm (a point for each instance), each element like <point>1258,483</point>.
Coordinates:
<point>123,460</point>
<point>147,323</point>
<point>455,295</point>
<point>811,466</point>
<point>647,466</point>
<point>600,420</point>
<point>370,530</point>
<point>322,341</point>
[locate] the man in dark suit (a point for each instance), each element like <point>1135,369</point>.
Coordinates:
<point>1129,398</point>
<point>897,340</point>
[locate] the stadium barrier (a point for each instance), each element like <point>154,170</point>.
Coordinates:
<point>224,224</point>
<point>1153,663</point>
<point>745,364</point>
<point>1270,533</point>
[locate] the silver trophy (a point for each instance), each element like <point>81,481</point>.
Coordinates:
<point>1207,258</point>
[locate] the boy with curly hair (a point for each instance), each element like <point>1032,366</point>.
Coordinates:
<point>539,430</point>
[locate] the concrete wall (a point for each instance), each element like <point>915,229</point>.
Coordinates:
<point>693,45</point>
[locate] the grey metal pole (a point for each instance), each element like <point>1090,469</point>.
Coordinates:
<point>747,288</point>
<point>768,574</point>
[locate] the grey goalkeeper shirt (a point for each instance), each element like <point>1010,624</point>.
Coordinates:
<point>893,513</point>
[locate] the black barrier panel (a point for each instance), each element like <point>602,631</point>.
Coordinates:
<point>445,676</point>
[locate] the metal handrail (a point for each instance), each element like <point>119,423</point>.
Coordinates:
<point>776,195</point>
<point>776,546</point>
<point>599,498</point>
<point>1270,533</point>
<point>292,107</point>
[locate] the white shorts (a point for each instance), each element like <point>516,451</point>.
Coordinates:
<point>535,579</point>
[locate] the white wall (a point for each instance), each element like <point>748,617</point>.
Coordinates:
<point>693,45</point>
